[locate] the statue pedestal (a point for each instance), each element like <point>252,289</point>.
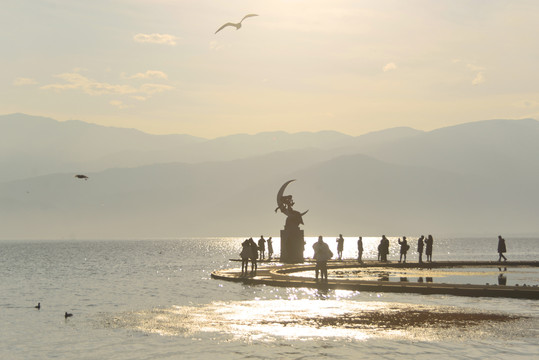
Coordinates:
<point>292,246</point>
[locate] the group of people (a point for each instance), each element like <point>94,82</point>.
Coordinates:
<point>423,244</point>
<point>322,253</point>
<point>250,251</point>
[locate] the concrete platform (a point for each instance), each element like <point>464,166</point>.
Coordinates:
<point>275,274</point>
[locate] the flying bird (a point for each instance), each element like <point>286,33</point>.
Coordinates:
<point>236,25</point>
<point>66,315</point>
<point>79,176</point>
<point>38,306</point>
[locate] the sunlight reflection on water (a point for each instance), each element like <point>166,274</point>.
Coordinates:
<point>270,320</point>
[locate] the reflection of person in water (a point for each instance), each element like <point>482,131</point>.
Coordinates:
<point>322,254</point>
<point>360,249</point>
<point>502,279</point>
<point>501,248</point>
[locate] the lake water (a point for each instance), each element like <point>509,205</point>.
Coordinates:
<point>155,299</point>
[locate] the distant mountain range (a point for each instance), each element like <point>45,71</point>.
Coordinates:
<point>473,179</point>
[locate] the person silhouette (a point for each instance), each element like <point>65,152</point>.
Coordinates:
<point>501,248</point>
<point>262,247</point>
<point>270,248</point>
<point>322,254</point>
<point>245,254</point>
<point>428,247</point>
<point>420,245</point>
<point>360,249</point>
<point>404,248</point>
<point>384,248</point>
<point>340,246</point>
<point>253,256</point>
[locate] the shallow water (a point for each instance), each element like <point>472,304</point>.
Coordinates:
<point>493,275</point>
<point>155,299</point>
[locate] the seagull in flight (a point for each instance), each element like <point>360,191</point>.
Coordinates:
<point>236,25</point>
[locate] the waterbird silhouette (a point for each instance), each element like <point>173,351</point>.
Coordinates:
<point>68,315</point>
<point>236,25</point>
<point>80,176</point>
<point>38,306</point>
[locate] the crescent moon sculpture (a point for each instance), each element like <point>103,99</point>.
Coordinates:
<point>280,198</point>
<point>285,205</point>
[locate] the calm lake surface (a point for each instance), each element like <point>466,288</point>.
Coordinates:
<point>154,299</point>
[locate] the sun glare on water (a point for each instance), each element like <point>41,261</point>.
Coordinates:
<point>270,320</point>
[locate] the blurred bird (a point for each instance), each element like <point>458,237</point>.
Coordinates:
<point>38,306</point>
<point>236,25</point>
<point>81,177</point>
<point>67,315</point>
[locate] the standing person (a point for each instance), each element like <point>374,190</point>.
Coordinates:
<point>322,254</point>
<point>501,248</point>
<point>253,255</point>
<point>420,248</point>
<point>245,255</point>
<point>340,246</point>
<point>270,248</point>
<point>360,249</point>
<point>404,248</point>
<point>428,247</point>
<point>262,247</point>
<point>384,251</point>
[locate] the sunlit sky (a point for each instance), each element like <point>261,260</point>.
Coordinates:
<point>352,66</point>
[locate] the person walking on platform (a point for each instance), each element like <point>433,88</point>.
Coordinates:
<point>420,245</point>
<point>501,248</point>
<point>322,254</point>
<point>360,249</point>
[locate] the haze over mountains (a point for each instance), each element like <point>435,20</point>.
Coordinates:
<point>473,179</point>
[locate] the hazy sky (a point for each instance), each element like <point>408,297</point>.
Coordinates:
<point>302,65</point>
